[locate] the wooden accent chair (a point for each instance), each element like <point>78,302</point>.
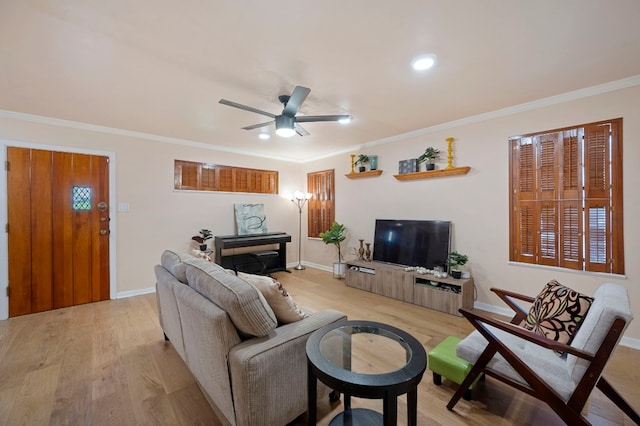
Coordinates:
<point>530,362</point>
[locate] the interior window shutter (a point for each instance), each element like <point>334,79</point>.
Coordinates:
<point>597,197</point>
<point>186,175</point>
<point>224,176</point>
<point>321,205</point>
<point>523,214</point>
<point>208,178</point>
<point>547,161</point>
<point>566,198</point>
<point>570,206</point>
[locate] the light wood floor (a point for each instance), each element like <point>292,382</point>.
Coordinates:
<point>107,363</point>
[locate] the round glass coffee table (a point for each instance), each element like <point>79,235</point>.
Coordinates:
<point>365,359</point>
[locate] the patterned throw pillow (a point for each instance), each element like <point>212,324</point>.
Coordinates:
<point>557,312</point>
<point>281,302</point>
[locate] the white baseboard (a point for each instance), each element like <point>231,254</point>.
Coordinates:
<point>132,293</point>
<point>315,266</point>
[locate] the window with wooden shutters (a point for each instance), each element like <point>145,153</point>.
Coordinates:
<point>321,206</point>
<point>190,175</point>
<point>566,198</point>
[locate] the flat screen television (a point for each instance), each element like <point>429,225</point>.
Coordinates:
<point>423,243</point>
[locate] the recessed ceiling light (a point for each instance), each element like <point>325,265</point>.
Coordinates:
<point>264,136</point>
<point>423,62</point>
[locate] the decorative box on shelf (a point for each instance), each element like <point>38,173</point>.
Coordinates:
<point>408,166</point>
<point>370,173</point>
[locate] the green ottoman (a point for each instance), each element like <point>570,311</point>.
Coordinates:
<point>442,360</point>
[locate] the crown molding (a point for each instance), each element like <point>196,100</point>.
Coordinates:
<point>528,106</point>
<point>20,116</point>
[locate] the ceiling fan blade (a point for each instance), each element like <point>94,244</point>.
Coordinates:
<point>246,108</point>
<point>301,130</point>
<point>311,118</point>
<point>257,126</point>
<point>295,100</point>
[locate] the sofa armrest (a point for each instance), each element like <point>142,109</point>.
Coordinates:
<point>264,369</point>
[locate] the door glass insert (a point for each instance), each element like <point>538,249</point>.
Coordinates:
<point>81,197</point>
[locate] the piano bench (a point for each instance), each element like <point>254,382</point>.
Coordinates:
<point>263,257</point>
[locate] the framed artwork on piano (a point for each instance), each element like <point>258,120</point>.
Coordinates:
<point>250,219</point>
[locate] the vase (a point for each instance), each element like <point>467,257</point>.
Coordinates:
<point>339,268</point>
<point>373,162</point>
<point>367,252</point>
<point>361,250</point>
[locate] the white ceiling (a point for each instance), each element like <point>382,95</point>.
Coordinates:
<point>159,66</point>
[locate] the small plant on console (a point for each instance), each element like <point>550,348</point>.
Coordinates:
<point>454,261</point>
<point>201,239</point>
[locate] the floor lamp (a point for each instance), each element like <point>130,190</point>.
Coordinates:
<point>299,199</point>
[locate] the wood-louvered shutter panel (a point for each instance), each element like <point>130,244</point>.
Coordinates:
<point>547,162</point>
<point>570,204</point>
<point>597,198</point>
<point>321,206</point>
<point>208,180</point>
<point>523,214</point>
<point>225,178</point>
<point>186,175</point>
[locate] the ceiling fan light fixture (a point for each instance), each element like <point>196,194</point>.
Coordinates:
<point>263,135</point>
<point>285,126</point>
<point>423,62</point>
<point>345,120</point>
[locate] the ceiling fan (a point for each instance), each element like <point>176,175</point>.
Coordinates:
<point>287,122</point>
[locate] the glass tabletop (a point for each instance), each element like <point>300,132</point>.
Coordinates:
<point>365,349</point>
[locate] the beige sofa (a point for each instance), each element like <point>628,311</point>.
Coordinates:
<point>252,369</point>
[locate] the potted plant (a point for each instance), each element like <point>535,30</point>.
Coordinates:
<point>336,235</point>
<point>429,155</point>
<point>454,261</point>
<point>362,160</point>
<point>201,239</point>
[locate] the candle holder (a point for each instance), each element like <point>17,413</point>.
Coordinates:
<point>450,153</point>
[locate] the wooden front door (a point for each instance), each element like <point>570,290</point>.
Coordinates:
<point>58,229</point>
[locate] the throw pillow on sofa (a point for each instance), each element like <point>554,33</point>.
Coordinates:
<point>281,302</point>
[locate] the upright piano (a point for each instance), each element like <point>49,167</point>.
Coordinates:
<point>246,262</point>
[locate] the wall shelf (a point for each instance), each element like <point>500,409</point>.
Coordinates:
<point>370,173</point>
<point>434,173</point>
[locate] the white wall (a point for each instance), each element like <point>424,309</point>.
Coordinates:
<point>159,217</point>
<point>477,203</point>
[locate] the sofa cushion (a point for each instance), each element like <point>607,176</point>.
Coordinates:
<point>174,263</point>
<point>557,312</point>
<point>280,301</point>
<point>245,305</point>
